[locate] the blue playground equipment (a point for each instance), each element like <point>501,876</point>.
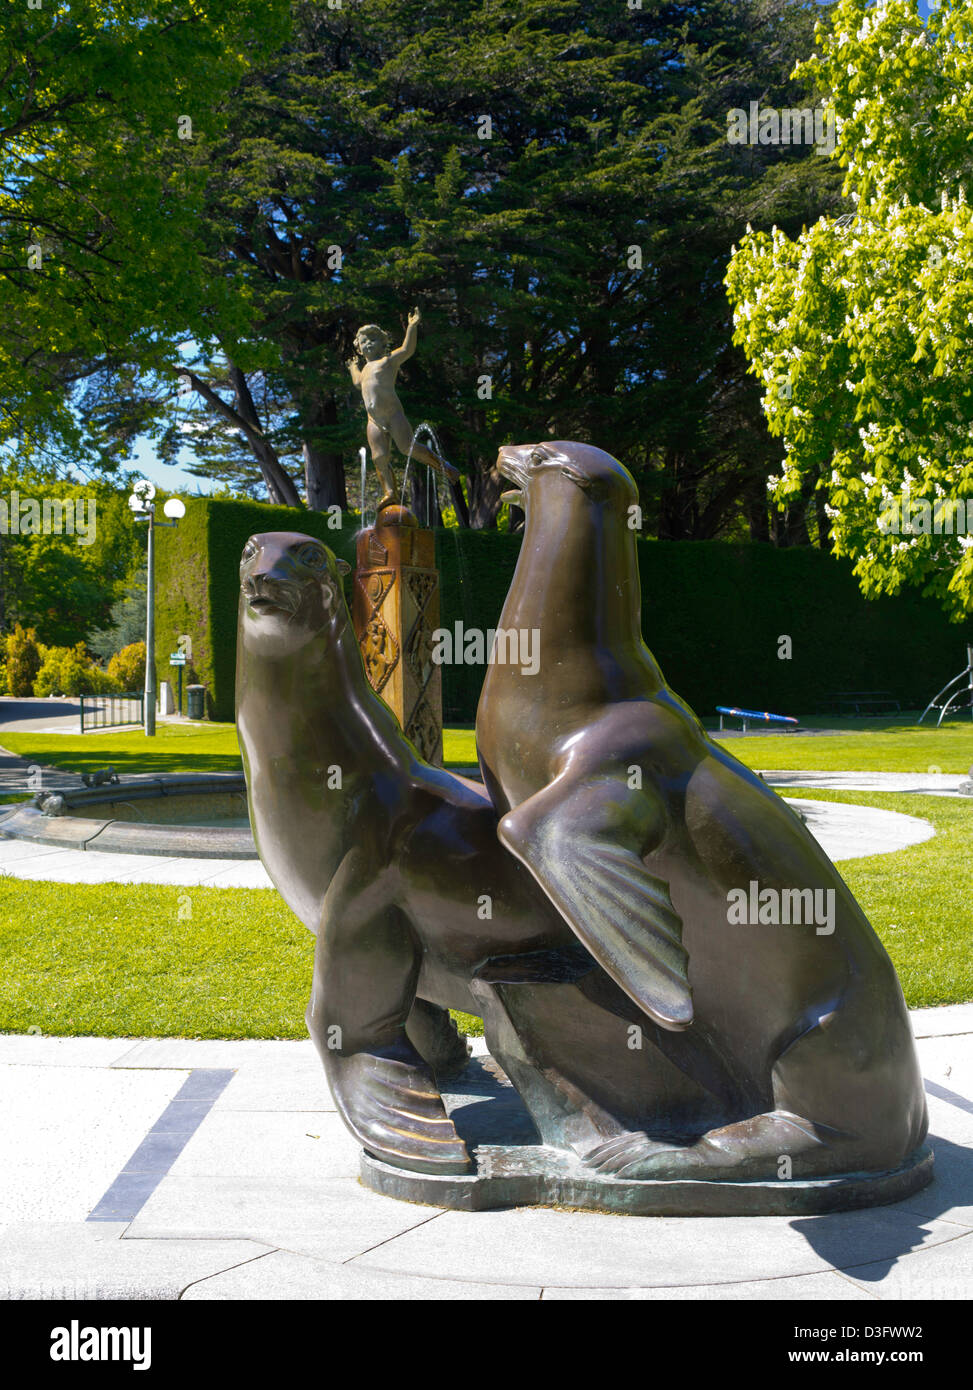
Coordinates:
<point>956,692</point>
<point>750,714</point>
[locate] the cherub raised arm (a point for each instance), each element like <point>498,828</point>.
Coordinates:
<point>386,418</point>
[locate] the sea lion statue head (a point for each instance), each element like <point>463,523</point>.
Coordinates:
<point>290,592</point>
<point>561,476</point>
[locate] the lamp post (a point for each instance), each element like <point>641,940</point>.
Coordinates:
<point>143,509</point>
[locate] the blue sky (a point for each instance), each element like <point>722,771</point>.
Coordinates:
<point>167,476</point>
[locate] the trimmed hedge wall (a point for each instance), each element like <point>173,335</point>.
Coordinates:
<point>712,614</point>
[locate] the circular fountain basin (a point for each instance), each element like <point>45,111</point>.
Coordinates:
<point>193,815</point>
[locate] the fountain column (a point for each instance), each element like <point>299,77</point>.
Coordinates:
<point>395,609</point>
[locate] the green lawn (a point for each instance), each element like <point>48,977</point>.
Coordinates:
<point>894,745</point>
<point>918,900</point>
<point>901,749</point>
<point>175,748</point>
<point>143,960</point>
<point>152,961</point>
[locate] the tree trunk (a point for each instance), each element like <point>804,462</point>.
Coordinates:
<point>281,488</point>
<point>324,470</point>
<point>755,509</point>
<point>486,485</point>
<point>677,504</point>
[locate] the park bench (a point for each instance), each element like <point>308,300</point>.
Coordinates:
<point>748,716</point>
<point>864,702</point>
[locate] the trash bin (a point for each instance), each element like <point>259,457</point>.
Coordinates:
<point>195,703</point>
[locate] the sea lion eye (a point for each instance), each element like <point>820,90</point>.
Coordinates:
<point>581,479</point>
<point>312,556</point>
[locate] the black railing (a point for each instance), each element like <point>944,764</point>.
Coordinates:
<point>104,711</point>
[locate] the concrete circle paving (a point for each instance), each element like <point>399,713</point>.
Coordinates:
<point>844,832</point>
<point>251,1192</point>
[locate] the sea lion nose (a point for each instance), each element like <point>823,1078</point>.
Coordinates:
<point>512,462</point>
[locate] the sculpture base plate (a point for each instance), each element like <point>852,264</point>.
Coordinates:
<point>536,1176</point>
<point>513,1169</point>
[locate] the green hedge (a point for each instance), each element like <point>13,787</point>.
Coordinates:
<point>712,613</point>
<point>197,584</point>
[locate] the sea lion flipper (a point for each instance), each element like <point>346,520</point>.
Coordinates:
<point>584,846</point>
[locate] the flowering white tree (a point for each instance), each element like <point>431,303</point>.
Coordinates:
<point>862,328</point>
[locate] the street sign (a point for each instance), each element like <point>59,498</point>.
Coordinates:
<point>177,658</point>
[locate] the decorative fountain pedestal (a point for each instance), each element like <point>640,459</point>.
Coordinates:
<point>395,610</point>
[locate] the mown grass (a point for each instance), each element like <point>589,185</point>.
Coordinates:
<point>887,746</point>
<point>903,749</point>
<point>144,960</point>
<point>919,899</point>
<point>175,748</point>
<point>124,960</point>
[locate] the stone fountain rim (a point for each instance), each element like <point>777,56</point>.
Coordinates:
<point>25,821</point>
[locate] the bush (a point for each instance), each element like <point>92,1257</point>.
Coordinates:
<point>70,671</point>
<point>126,623</point>
<point>103,683</point>
<point>23,660</point>
<point>127,667</point>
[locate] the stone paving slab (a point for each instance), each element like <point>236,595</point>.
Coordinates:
<point>35,1050</point>
<point>331,1219</point>
<point>587,1249</point>
<point>77,1260</point>
<point>285,1276</point>
<point>187,1053</point>
<point>67,1132</point>
<point>305,1145</point>
<point>947,1060</point>
<point>26,859</point>
<point>236,874</point>
<point>935,1272</point>
<point>16,853</point>
<point>254,1206</point>
<point>300,1086</point>
<point>948,1020</point>
<point>947,1117</point>
<point>928,783</point>
<point>812,1288</point>
<point>949,1197</point>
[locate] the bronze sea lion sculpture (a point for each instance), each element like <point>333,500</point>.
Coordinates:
<point>417,907</point>
<point>666,856</point>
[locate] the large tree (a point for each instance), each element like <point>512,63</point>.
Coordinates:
<point>63,581</point>
<point>552,182</point>
<point>555,185</point>
<point>867,316</point>
<point>97,201</point>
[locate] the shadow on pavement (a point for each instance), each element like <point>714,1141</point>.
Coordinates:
<point>877,1237</point>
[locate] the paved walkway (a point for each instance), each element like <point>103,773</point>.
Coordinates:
<point>220,1170</point>
<point>921,783</point>
<point>845,832</point>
